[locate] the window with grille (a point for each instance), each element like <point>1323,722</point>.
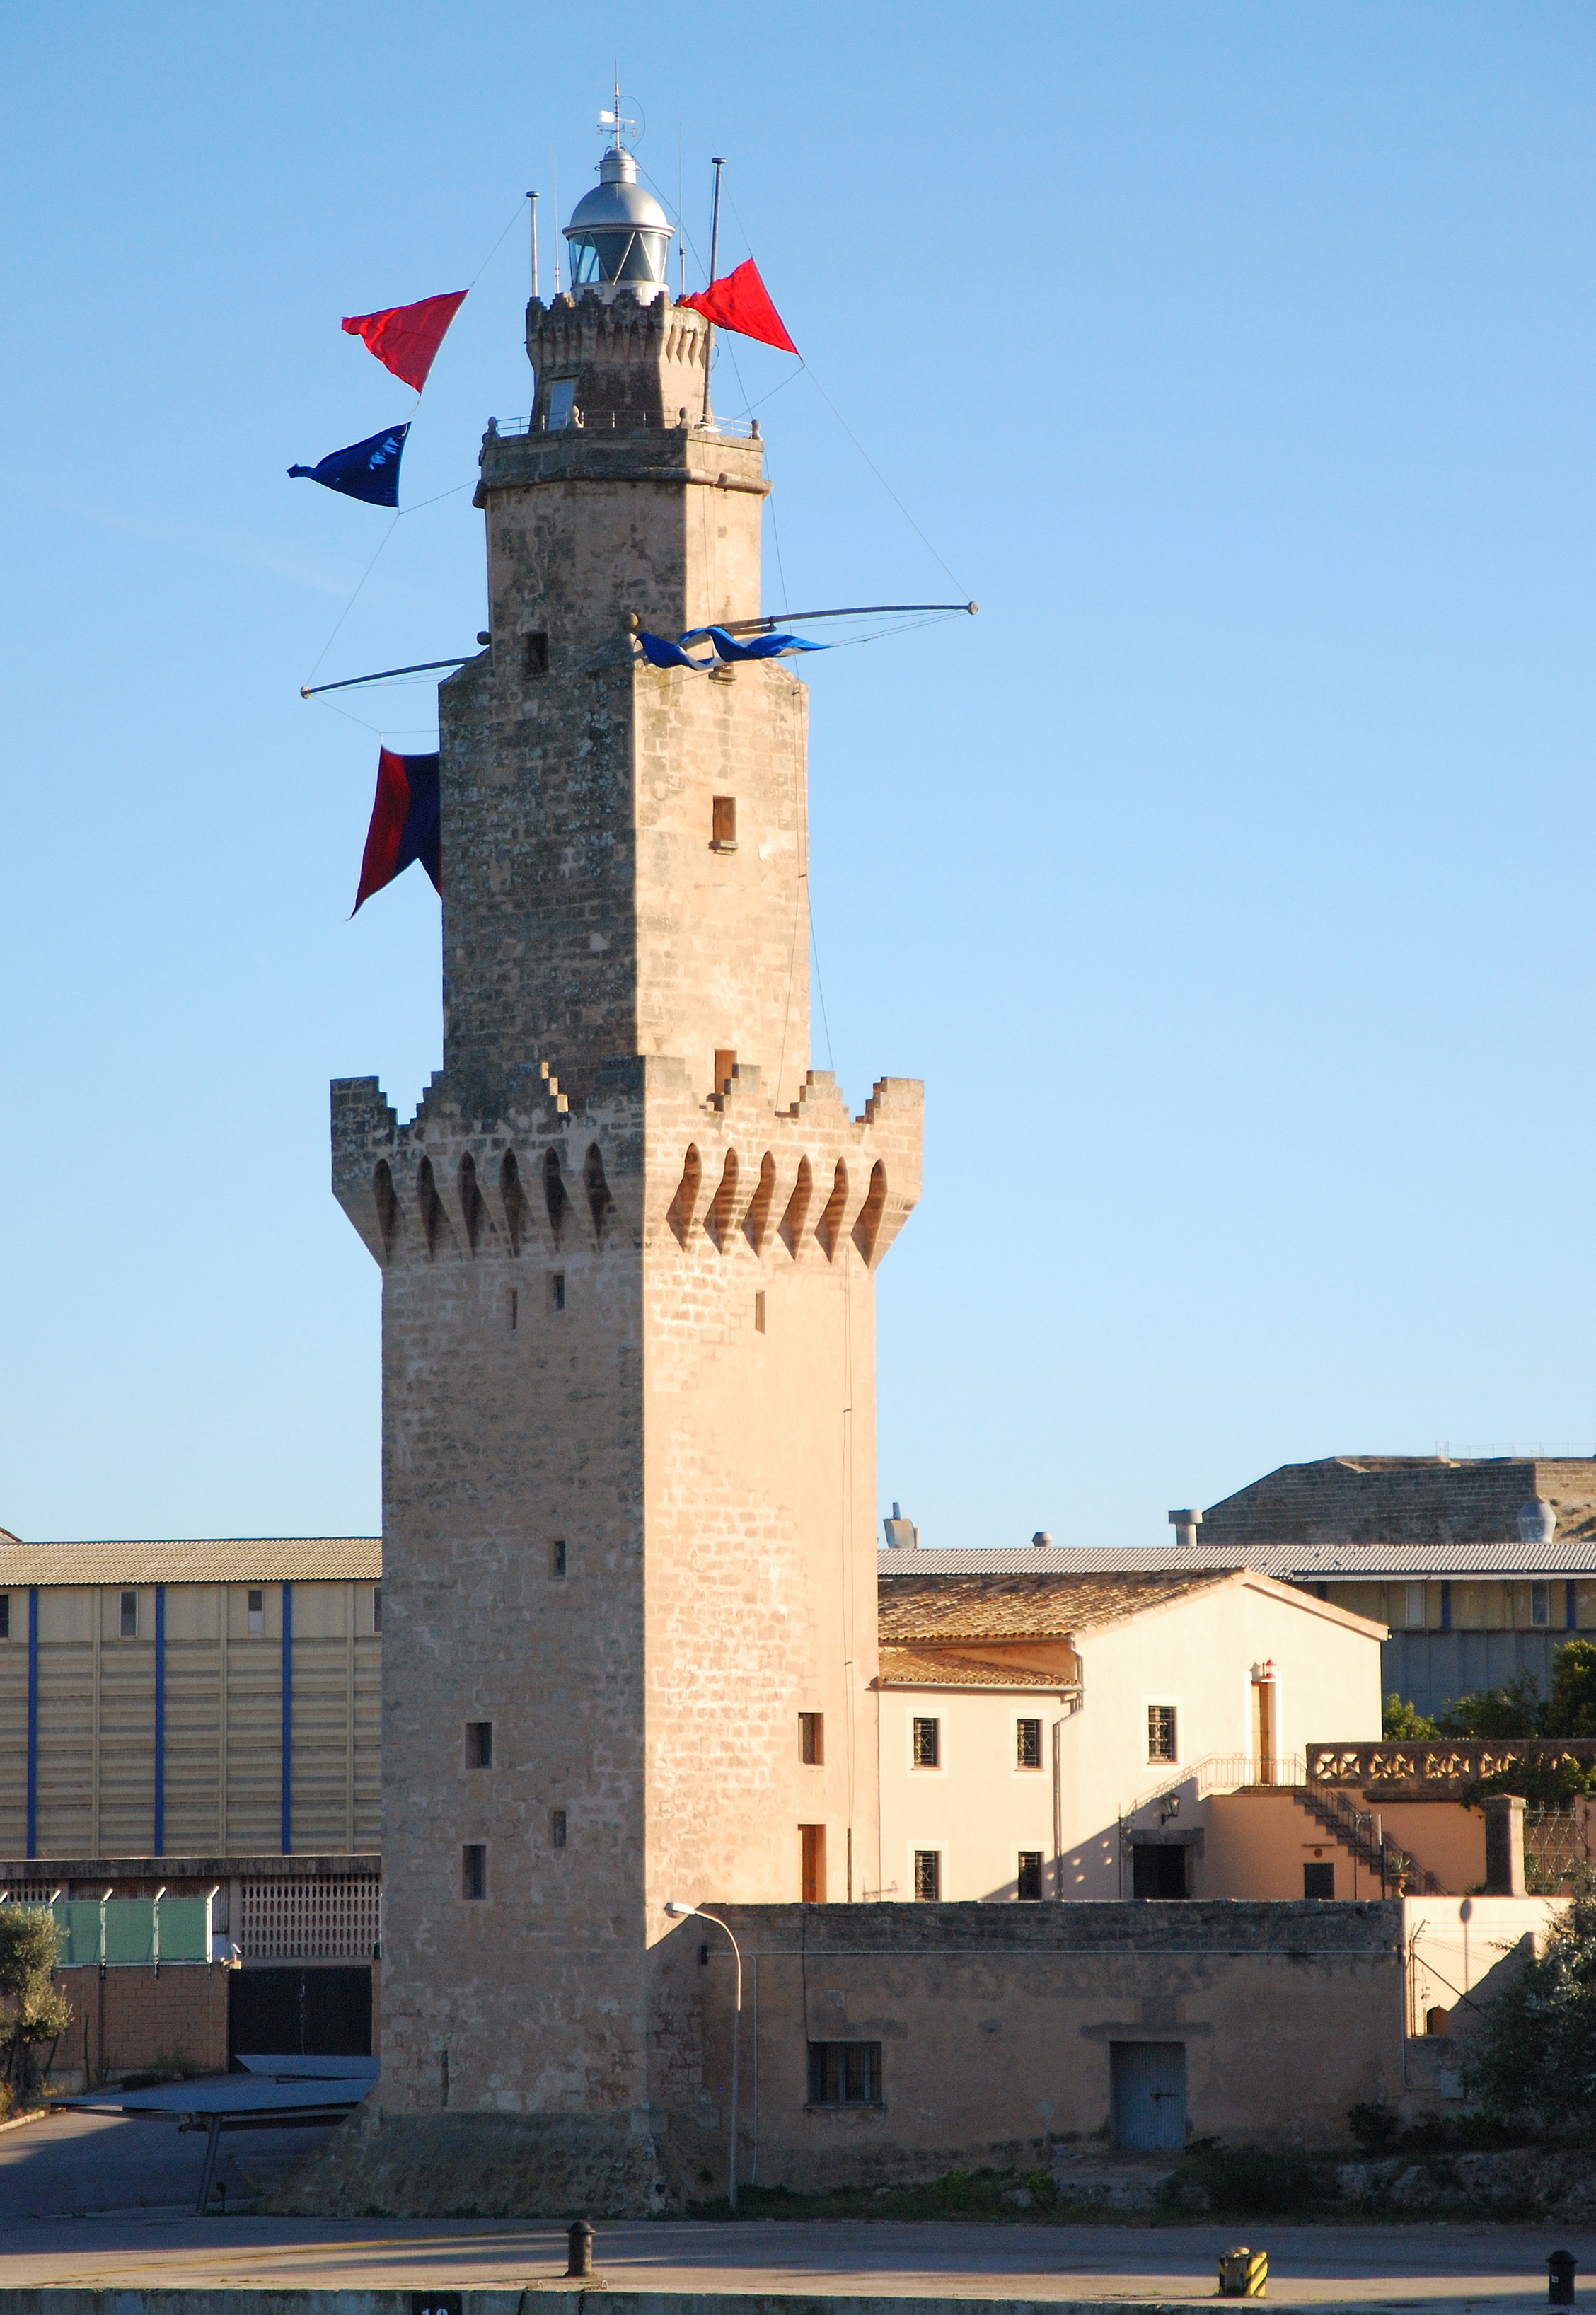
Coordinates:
<point>479,1743</point>
<point>1028,1876</point>
<point>473,1869</point>
<point>845,2074</point>
<point>1027,1744</point>
<point>811,1738</point>
<point>928,1877</point>
<point>335,1918</point>
<point>928,1744</point>
<point>1161,1733</point>
<point>128,1626</point>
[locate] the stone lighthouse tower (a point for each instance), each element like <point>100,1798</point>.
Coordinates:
<point>628,1245</point>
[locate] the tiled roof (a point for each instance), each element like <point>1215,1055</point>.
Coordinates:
<point>268,1559</point>
<point>916,1668</point>
<point>1300,1562</point>
<point>938,1605</point>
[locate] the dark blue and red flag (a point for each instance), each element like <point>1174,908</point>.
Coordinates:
<point>405,823</point>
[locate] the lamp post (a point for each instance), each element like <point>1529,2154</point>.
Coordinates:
<point>680,1913</point>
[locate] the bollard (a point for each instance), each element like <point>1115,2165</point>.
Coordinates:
<point>1243,2273</point>
<point>1560,2269</point>
<point>581,2249</point>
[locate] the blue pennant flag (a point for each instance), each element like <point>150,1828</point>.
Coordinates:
<point>367,470</point>
<point>661,653</point>
<point>757,646</point>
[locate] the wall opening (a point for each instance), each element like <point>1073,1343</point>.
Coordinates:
<point>556,1828</point>
<point>811,1738</point>
<point>828,1229</point>
<point>760,1312</point>
<point>557,1559</point>
<point>1028,1875</point>
<point>556,1290</point>
<point>387,1204</point>
<point>472,1204</point>
<point>479,1743</point>
<point>726,1067</point>
<point>811,1840</point>
<point>845,2074</point>
<point>797,1212</point>
<point>473,1871</point>
<point>600,1204</point>
<point>553,1192</point>
<point>722,824</point>
<point>535,654</point>
<point>685,1204</point>
<point>430,1205</point>
<point>516,1210</point>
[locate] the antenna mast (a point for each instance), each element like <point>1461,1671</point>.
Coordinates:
<point>533,198</point>
<point>555,166</point>
<point>714,244</point>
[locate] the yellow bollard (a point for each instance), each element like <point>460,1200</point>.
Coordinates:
<point>1243,2273</point>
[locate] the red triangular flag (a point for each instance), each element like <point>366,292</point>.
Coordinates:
<point>405,338</point>
<point>740,302</point>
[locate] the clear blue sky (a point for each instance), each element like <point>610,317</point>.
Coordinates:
<point>1230,880</point>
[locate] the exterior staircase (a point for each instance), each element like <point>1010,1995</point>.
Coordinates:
<point>1354,1828</point>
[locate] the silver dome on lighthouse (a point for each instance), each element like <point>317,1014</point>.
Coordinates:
<point>618,234</point>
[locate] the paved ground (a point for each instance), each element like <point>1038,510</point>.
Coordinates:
<point>76,2163</point>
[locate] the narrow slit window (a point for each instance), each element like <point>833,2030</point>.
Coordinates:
<point>128,1625</point>
<point>1027,1744</point>
<point>479,1743</point>
<point>376,1607</point>
<point>813,1863</point>
<point>811,1738</point>
<point>724,824</point>
<point>473,1870</point>
<point>556,1290</point>
<point>726,1067</point>
<point>515,1309</point>
<point>928,1877</point>
<point>927,1745</point>
<point>1028,1875</point>
<point>557,1559</point>
<point>556,1828</point>
<point>5,1615</point>
<point>254,1609</point>
<point>759,1313</point>
<point>536,660</point>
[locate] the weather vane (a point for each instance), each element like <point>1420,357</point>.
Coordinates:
<point>616,125</point>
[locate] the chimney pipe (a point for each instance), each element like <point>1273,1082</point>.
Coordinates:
<point>901,1534</point>
<point>1185,1525</point>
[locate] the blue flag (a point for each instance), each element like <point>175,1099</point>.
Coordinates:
<point>757,646</point>
<point>367,470</point>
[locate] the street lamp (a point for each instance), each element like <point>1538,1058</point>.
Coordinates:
<point>680,1913</point>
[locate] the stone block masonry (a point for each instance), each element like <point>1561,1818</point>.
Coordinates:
<point>628,1248</point>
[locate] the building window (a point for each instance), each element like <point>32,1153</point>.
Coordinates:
<point>813,1863</point>
<point>536,660</point>
<point>473,1869</point>
<point>1028,1878</point>
<point>760,1312</point>
<point>1161,1733</point>
<point>556,1828</point>
<point>811,1738</point>
<point>845,2074</point>
<point>556,1290</point>
<point>479,1743</point>
<point>724,824</point>
<point>927,1745</point>
<point>726,1067</point>
<point>1319,1880</point>
<point>129,1616</point>
<point>254,1608</point>
<point>1027,1744</point>
<point>5,1615</point>
<point>1539,1612</point>
<point>376,1607</point>
<point>928,1877</point>
<point>1414,1607</point>
<point>557,1559</point>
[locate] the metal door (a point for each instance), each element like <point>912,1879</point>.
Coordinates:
<point>1149,2084</point>
<point>311,2013</point>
